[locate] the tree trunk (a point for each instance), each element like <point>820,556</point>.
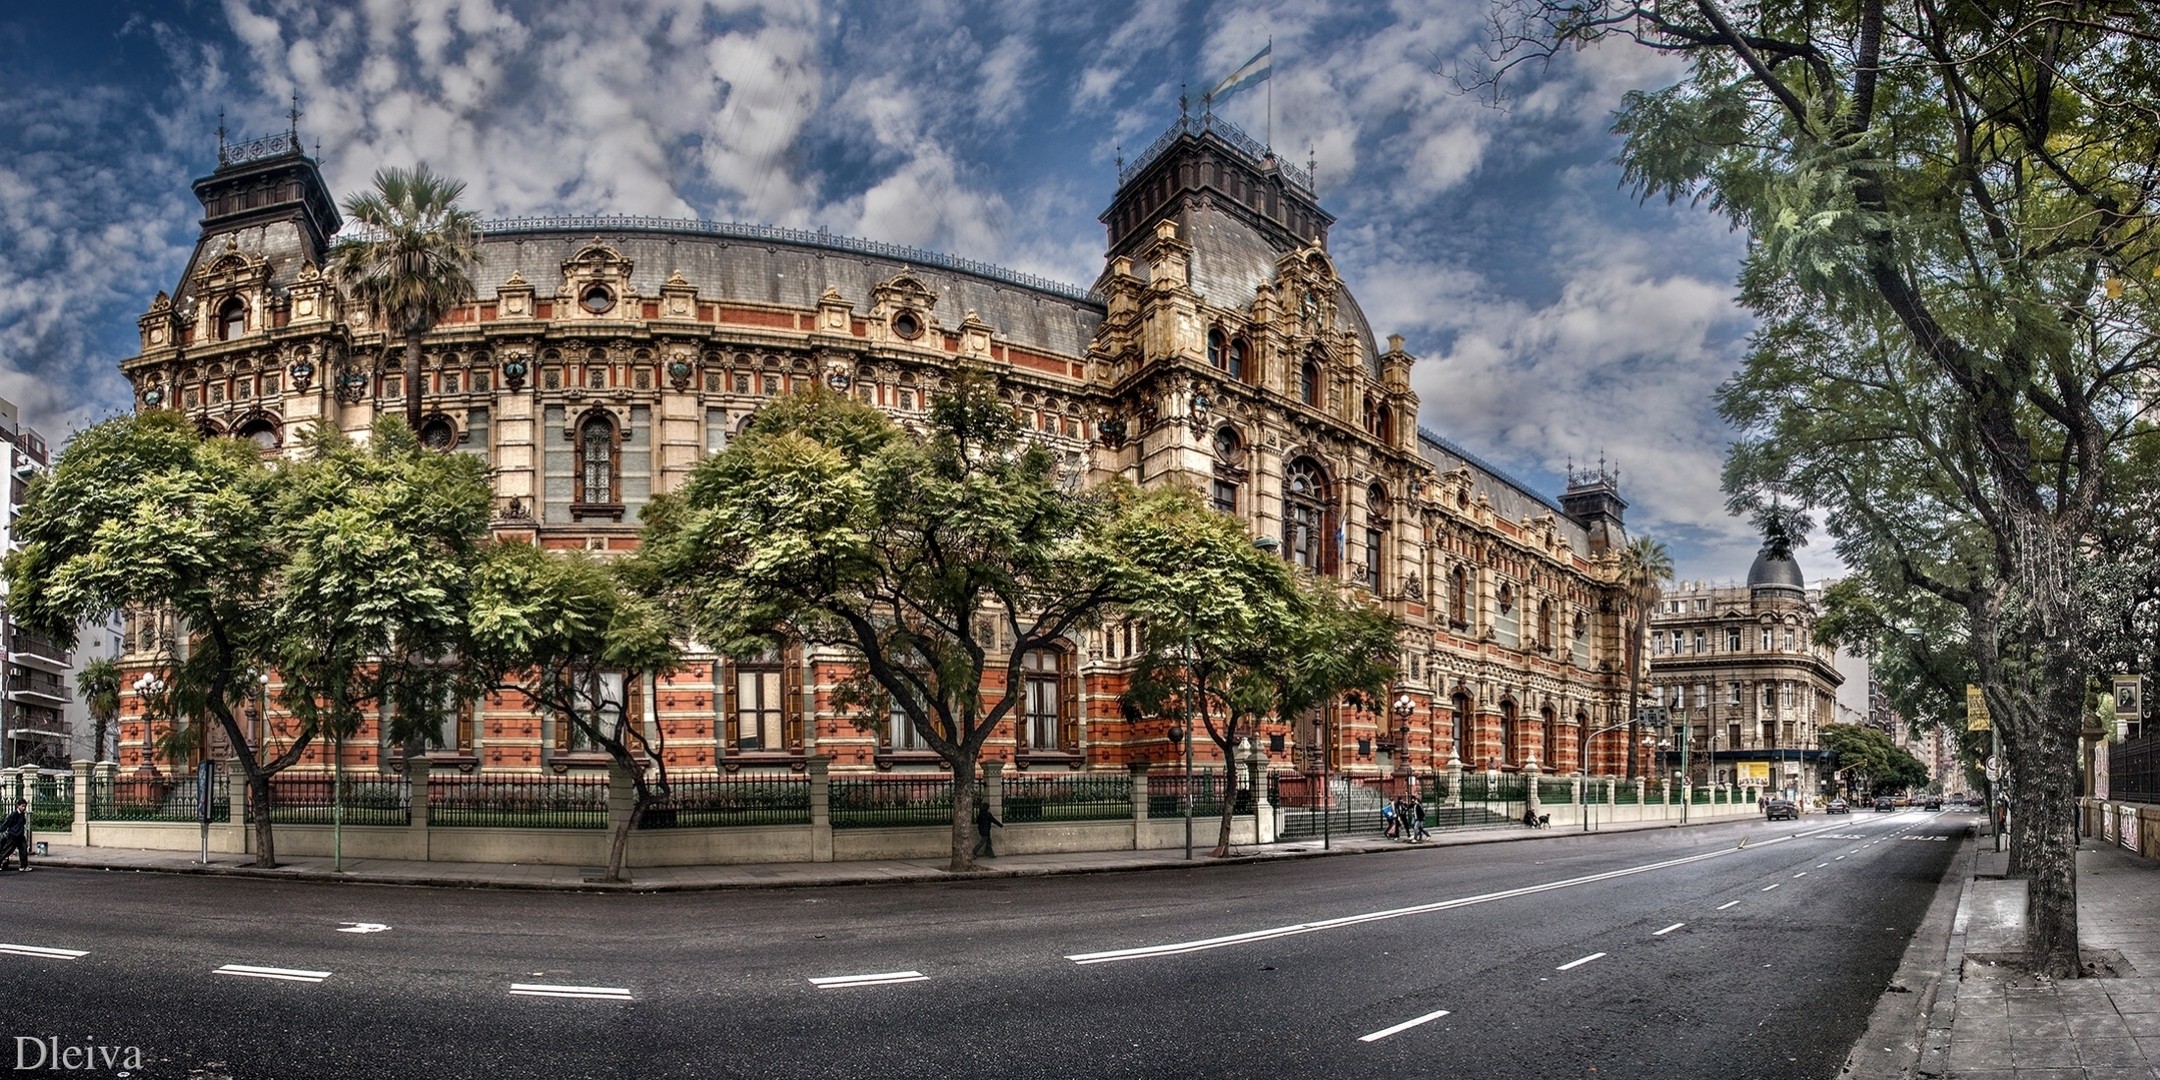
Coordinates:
<point>1229,802</point>
<point>963,816</point>
<point>265,841</point>
<point>620,845</point>
<point>2047,802</point>
<point>412,377</point>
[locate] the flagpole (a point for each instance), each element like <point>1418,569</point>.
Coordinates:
<point>1271,93</point>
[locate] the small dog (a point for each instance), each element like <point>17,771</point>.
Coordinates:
<point>1538,821</point>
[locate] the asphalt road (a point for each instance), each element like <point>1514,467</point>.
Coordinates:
<point>1672,954</point>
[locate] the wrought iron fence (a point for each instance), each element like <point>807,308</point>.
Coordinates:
<point>1702,796</point>
<point>2134,770</point>
<point>517,801</point>
<point>1556,791</point>
<point>155,798</point>
<point>739,798</point>
<point>52,802</point>
<point>1074,797</point>
<point>1166,794</point>
<point>314,798</point>
<point>887,801</point>
<point>1624,793</point>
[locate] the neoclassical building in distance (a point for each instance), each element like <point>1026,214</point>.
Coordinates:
<point>1220,347</point>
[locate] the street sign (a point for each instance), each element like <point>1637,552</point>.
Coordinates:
<point>1994,769</point>
<point>1976,710</point>
<point>203,785</point>
<point>1654,716</point>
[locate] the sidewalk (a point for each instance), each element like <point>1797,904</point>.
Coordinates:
<point>1991,1022</point>
<point>776,875</point>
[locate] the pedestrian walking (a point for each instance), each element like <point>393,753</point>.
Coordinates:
<point>984,821</point>
<point>1390,825</point>
<point>1418,834</point>
<point>15,835</point>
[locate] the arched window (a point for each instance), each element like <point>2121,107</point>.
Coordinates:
<point>1306,512</point>
<point>1545,624</point>
<point>1237,359</point>
<point>1549,737</point>
<point>232,319</point>
<point>596,461</point>
<point>1384,425</point>
<point>1230,459</point>
<point>1309,383</point>
<point>1508,733</point>
<point>1459,705</point>
<point>1377,513</point>
<point>1215,353</point>
<point>1459,598</point>
<point>263,433</point>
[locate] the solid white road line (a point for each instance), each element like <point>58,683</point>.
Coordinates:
<point>285,974</point>
<point>842,982</point>
<point>1673,927</point>
<point>1404,1026</point>
<point>1578,963</point>
<point>1771,886</point>
<point>42,952</point>
<point>1176,947</point>
<point>1727,904</point>
<point>590,993</point>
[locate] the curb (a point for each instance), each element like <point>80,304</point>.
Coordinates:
<point>924,876</point>
<point>1902,1021</point>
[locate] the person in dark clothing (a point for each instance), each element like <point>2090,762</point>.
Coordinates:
<point>15,836</point>
<point>983,822</point>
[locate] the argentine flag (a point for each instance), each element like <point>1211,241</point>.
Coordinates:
<point>1251,73</point>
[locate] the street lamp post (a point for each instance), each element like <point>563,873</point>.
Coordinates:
<point>1582,764</point>
<point>149,685</point>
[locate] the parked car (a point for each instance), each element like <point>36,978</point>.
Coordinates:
<point>1781,808</point>
<point>1884,802</point>
<point>1838,806</point>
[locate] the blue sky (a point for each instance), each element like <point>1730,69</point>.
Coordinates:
<point>1555,316</point>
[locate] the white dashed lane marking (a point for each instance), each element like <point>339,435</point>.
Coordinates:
<point>250,971</point>
<point>1579,963</point>
<point>42,953</point>
<point>1669,929</point>
<point>1771,886</point>
<point>585,993</point>
<point>843,982</point>
<point>1727,904</point>
<point>1404,1026</point>
<point>1801,874</point>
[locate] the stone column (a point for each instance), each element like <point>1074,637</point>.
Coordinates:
<point>1530,783</point>
<point>79,832</point>
<point>417,772</point>
<point>993,775</point>
<point>821,809</point>
<point>1454,781</point>
<point>1641,790</point>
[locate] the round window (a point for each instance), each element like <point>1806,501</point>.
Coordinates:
<point>596,299</point>
<point>907,324</point>
<point>437,434</point>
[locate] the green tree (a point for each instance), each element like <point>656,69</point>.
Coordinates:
<point>99,684</point>
<point>568,633</point>
<point>1951,245</point>
<point>1645,568</point>
<point>1878,764</point>
<point>344,570</point>
<point>411,262</point>
<point>934,558</point>
<point>1234,635</point>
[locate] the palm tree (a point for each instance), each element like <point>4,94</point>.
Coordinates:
<point>408,267</point>
<point>99,682</point>
<point>1645,567</point>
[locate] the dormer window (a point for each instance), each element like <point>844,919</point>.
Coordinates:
<point>596,299</point>
<point>232,319</point>
<point>908,325</point>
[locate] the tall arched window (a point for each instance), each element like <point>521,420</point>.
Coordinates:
<point>1309,383</point>
<point>1230,461</point>
<point>1459,597</point>
<point>1459,722</point>
<point>1306,510</point>
<point>1508,734</point>
<point>1549,737</point>
<point>1237,359</point>
<point>232,319</point>
<point>596,461</point>
<point>1384,425</point>
<point>1377,513</point>
<point>1545,624</point>
<point>1215,353</point>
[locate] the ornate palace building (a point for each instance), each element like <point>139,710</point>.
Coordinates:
<point>1219,348</point>
<point>1737,666</point>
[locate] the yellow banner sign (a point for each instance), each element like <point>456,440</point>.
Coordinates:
<point>1976,711</point>
<point>1754,772</point>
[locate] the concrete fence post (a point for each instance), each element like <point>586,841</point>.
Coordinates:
<point>79,829</point>
<point>1139,772</point>
<point>418,771</point>
<point>821,809</point>
<point>1263,809</point>
<point>1530,775</point>
<point>993,778</point>
<point>1454,781</point>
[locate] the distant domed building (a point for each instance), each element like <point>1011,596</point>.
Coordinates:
<point>1220,347</point>
<point>1738,667</point>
